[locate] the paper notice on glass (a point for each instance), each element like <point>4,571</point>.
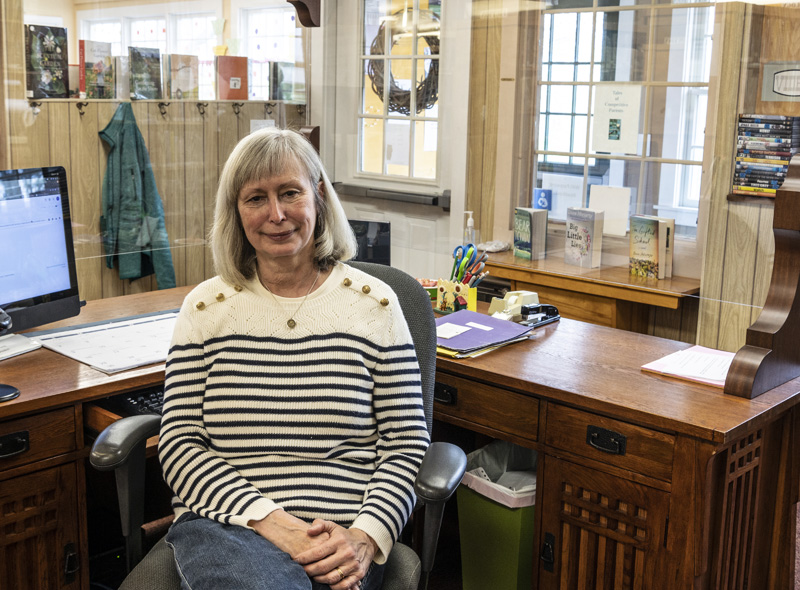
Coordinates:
<point>616,119</point>
<point>615,202</point>
<point>566,191</point>
<point>704,365</point>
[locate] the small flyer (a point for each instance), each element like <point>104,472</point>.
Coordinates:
<point>616,119</point>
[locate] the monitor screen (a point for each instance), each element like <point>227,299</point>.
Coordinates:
<point>374,241</point>
<point>38,283</point>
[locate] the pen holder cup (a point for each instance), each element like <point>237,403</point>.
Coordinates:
<point>454,296</point>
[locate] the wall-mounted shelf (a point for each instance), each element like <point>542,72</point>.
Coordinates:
<point>755,200</point>
<point>434,200</point>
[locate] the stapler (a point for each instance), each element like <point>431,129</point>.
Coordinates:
<point>510,306</point>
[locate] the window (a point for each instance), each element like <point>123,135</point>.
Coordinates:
<point>657,59</point>
<point>398,111</point>
<point>189,32</point>
<point>274,42</point>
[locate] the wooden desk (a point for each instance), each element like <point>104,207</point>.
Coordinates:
<point>706,483</point>
<point>608,296</point>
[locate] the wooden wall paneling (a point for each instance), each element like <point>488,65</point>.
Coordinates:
<point>765,255</point>
<point>721,124</point>
<point>228,131</point>
<point>211,169</point>
<point>780,39</point>
<point>476,118</point>
<point>194,195</point>
<point>86,198</point>
<point>737,282</point>
<point>491,114</point>
<point>12,70</point>
<point>249,111</point>
<point>113,286</point>
<point>29,135</point>
<point>166,147</point>
<point>142,113</point>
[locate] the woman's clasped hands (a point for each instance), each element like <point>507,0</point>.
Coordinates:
<point>342,560</point>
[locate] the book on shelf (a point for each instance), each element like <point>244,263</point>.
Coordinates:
<point>530,233</point>
<point>96,74</point>
<point>183,78</point>
<point>231,77</point>
<point>648,246</point>
<point>122,77</point>
<point>46,62</point>
<point>144,65</point>
<point>584,237</point>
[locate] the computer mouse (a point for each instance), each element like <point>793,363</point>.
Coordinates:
<point>5,322</point>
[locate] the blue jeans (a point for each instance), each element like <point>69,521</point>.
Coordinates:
<point>213,556</point>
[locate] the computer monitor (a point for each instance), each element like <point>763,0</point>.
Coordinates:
<point>374,241</point>
<point>38,282</point>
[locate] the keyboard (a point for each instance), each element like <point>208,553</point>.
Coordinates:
<point>146,401</point>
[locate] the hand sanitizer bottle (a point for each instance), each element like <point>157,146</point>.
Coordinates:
<point>469,230</point>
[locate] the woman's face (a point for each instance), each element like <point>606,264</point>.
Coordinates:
<point>279,216</point>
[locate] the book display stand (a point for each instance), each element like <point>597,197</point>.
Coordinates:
<point>770,356</point>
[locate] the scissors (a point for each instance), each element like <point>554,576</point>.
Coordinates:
<point>473,271</point>
<point>458,256</point>
<point>467,260</point>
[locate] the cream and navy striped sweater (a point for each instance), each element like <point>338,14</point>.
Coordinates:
<point>324,420</point>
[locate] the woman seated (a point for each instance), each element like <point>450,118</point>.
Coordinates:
<point>293,425</point>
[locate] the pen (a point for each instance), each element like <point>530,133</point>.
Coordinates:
<point>477,279</point>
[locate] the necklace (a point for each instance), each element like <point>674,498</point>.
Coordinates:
<point>290,322</point>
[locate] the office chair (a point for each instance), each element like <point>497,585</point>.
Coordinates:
<point>121,448</point>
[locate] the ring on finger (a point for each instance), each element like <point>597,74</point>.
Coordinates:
<point>341,573</point>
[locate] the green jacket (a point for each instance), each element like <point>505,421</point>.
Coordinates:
<point>132,220</point>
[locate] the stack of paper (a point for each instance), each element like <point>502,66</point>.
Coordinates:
<point>468,333</point>
<point>697,363</point>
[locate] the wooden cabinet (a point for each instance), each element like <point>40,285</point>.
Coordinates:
<point>40,514</point>
<point>598,530</point>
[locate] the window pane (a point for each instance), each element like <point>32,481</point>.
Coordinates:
<point>562,73</point>
<point>585,37</point>
<point>398,144</point>
<point>107,32</point>
<point>579,134</point>
<point>621,40</point>
<point>559,132</point>
<point>561,99</point>
<point>564,34</point>
<point>372,102</point>
<point>427,88</point>
<point>400,77</point>
<point>149,32</point>
<point>677,125</point>
<point>687,55</point>
<point>622,173</point>
<point>676,189</point>
<point>372,145</point>
<point>425,149</point>
<point>374,13</point>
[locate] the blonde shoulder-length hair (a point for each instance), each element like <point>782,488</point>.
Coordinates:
<point>263,154</point>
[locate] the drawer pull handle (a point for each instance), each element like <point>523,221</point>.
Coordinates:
<point>606,440</point>
<point>13,444</point>
<point>548,552</point>
<point>445,394</point>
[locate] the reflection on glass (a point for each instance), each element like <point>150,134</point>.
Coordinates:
<point>621,40</point>
<point>425,149</point>
<point>677,122</point>
<point>375,11</point>
<point>371,101</point>
<point>683,44</point>
<point>677,191</point>
<point>400,84</point>
<point>579,124</point>
<point>564,30</point>
<point>618,173</point>
<point>398,147</point>
<point>372,145</point>
<point>561,98</point>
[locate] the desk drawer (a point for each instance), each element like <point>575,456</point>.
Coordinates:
<point>624,445</point>
<point>490,407</point>
<point>37,437</point>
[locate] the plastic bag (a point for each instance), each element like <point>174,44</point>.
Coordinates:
<point>503,472</point>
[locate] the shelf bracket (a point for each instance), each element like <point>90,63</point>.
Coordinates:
<point>308,11</point>
<point>771,356</point>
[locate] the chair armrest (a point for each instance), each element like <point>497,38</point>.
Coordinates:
<point>440,473</point>
<point>114,445</point>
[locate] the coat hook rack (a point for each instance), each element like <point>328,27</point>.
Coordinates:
<point>80,106</point>
<point>201,108</point>
<point>269,108</point>
<point>36,107</point>
<point>162,107</point>
<point>237,107</point>
<point>301,109</point>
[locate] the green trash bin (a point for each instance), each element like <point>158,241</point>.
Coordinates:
<point>496,524</point>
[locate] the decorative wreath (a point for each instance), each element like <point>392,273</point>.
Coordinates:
<point>427,91</point>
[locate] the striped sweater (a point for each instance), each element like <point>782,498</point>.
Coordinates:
<point>324,420</point>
